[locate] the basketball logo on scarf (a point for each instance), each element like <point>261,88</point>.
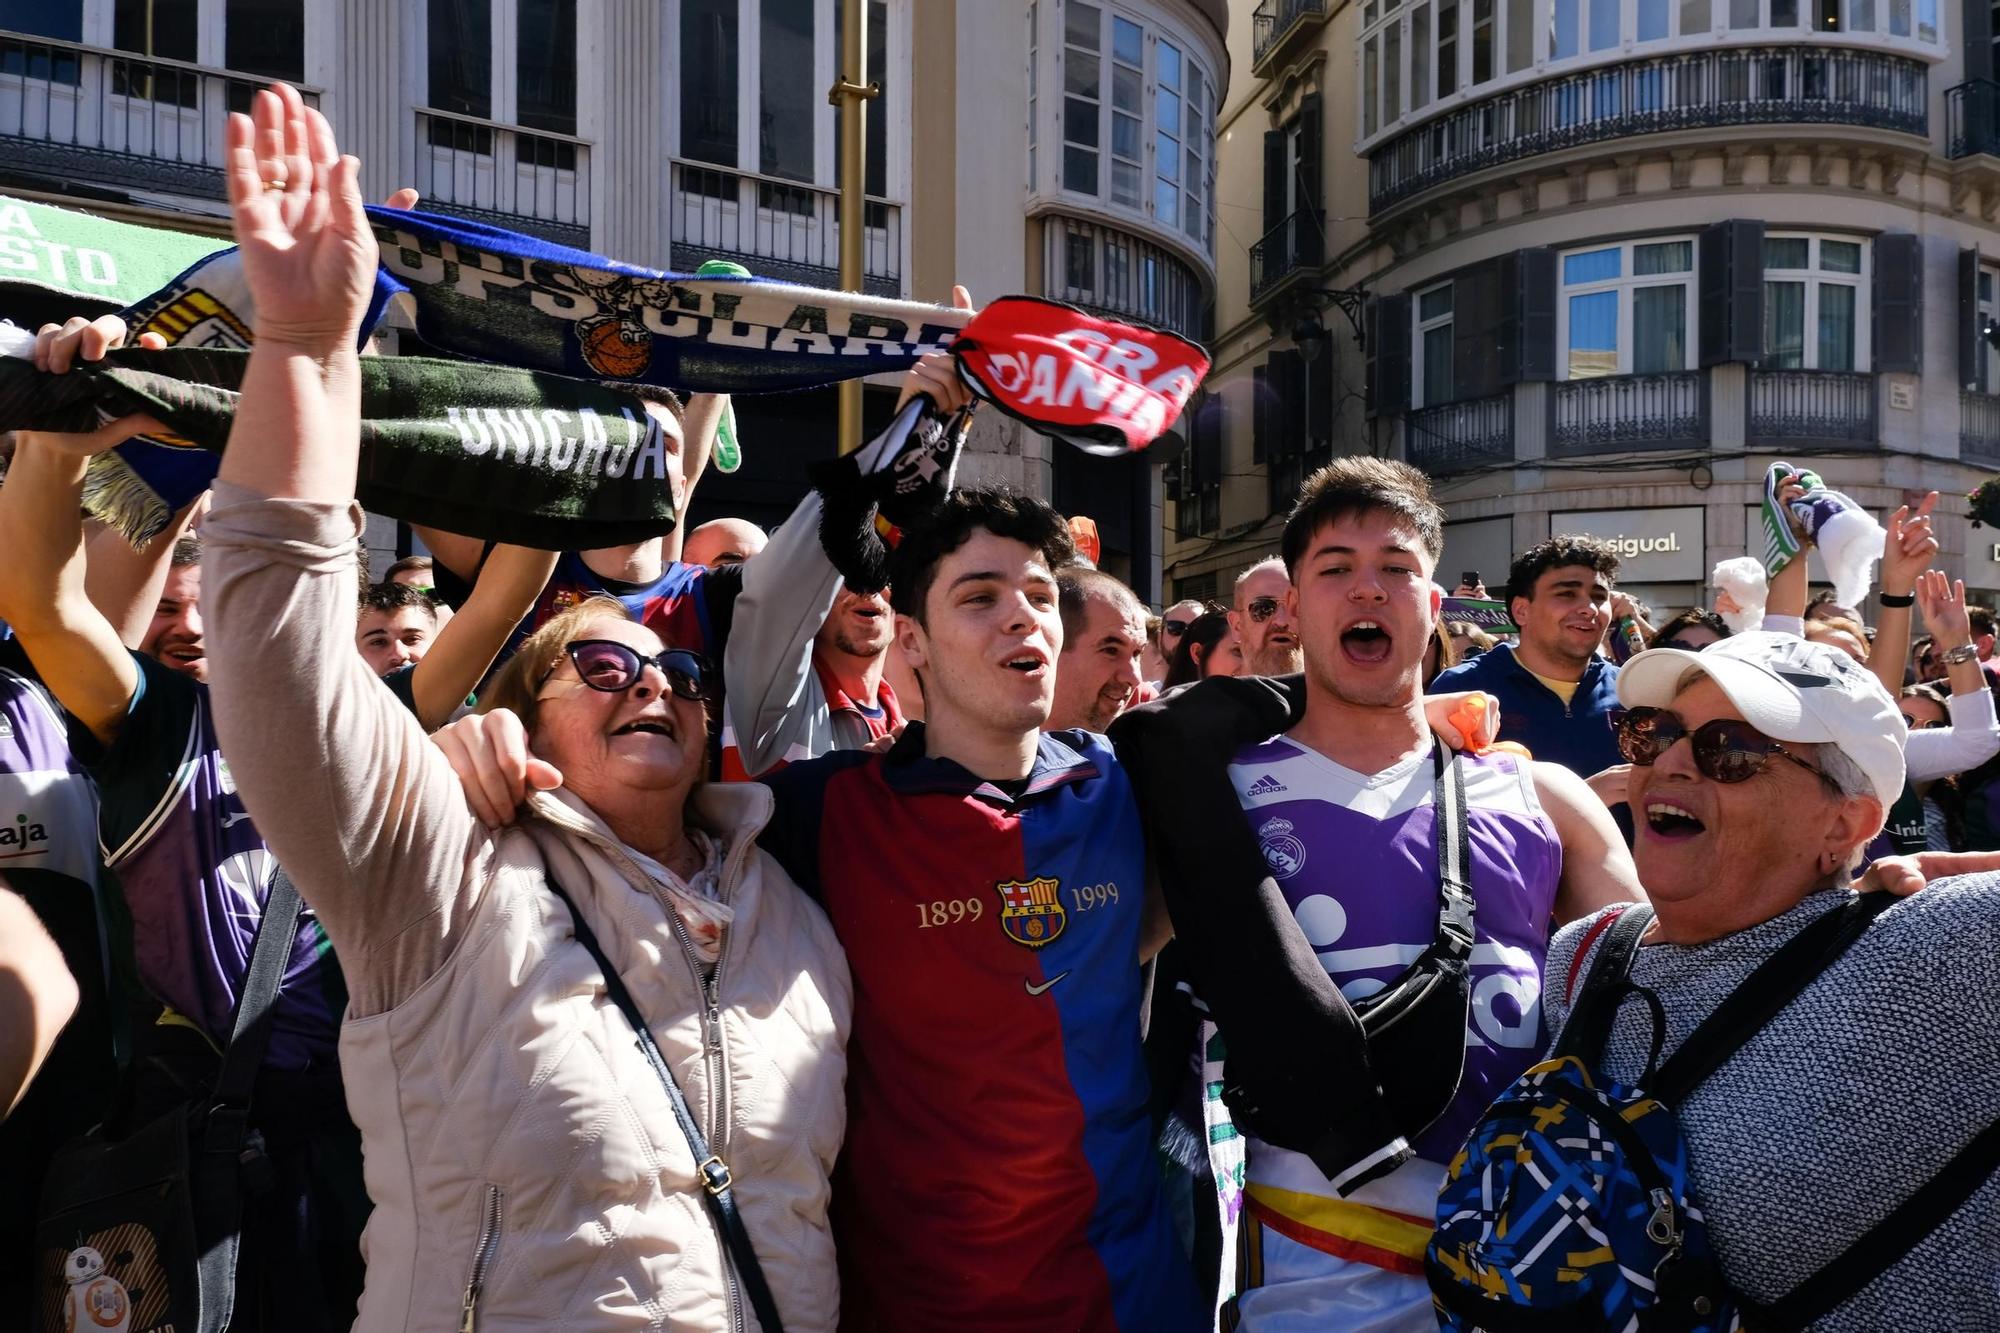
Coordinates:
<point>1107,388</point>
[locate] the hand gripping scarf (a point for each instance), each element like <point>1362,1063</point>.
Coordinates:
<point>570,317</point>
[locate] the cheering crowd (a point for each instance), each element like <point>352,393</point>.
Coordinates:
<point>805,930</point>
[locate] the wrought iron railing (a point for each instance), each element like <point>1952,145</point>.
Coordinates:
<point>1620,412</point>
<point>1273,21</point>
<point>1979,427</point>
<point>525,180</point>
<point>104,117</point>
<point>1832,409</point>
<point>1298,244</point>
<point>1791,85</point>
<point>1972,118</point>
<point>1455,436</point>
<point>1116,273</point>
<point>779,228</point>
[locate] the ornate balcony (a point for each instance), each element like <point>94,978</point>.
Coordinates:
<point>1972,118</point>
<point>1295,246</point>
<point>1819,409</point>
<point>779,228</point>
<point>1979,428</point>
<point>1454,437</point>
<point>1122,275</point>
<point>1275,22</point>
<point>1771,85</point>
<point>1617,413</point>
<point>524,180</point>
<point>112,119</point>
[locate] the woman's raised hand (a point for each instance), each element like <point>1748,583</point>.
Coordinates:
<point>308,253</point>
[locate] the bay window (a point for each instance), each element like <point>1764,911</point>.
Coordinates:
<point>1137,119</point>
<point>1815,315</point>
<point>1627,309</point>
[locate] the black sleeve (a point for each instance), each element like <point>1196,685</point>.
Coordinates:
<point>136,772</point>
<point>1298,1072</point>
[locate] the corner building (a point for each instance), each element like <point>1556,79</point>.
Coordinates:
<point>1062,148</point>
<point>1604,261</point>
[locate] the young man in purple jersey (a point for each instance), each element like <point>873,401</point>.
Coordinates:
<point>1342,810</point>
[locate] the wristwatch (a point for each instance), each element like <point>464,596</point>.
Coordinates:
<point>1965,652</point>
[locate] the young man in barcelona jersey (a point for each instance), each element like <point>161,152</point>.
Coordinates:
<point>1343,809</point>
<point>988,883</point>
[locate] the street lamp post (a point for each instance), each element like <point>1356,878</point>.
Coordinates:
<point>852,96</point>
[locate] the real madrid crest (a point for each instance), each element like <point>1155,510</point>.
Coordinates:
<point>1030,911</point>
<point>1285,854</point>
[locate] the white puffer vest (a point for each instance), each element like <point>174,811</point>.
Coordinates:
<point>524,1160</point>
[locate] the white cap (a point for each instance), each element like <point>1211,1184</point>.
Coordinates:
<point>1790,689</point>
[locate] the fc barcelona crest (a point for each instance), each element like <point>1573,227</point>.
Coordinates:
<point>1030,911</point>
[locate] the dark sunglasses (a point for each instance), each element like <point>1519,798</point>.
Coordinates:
<point>1914,725</point>
<point>610,666</point>
<point>1725,750</point>
<point>1263,608</point>
<point>1175,627</point>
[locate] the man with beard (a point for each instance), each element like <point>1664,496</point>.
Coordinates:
<point>1556,692</point>
<point>1263,620</point>
<point>1104,631</point>
<point>1344,808</point>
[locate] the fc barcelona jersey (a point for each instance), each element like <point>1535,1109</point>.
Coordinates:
<point>999,1171</point>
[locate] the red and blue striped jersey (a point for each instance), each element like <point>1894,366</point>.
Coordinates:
<point>999,1171</point>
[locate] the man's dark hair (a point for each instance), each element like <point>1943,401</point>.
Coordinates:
<point>187,551</point>
<point>1357,485</point>
<point>409,564</point>
<point>1981,618</point>
<point>1695,618</point>
<point>1076,584</point>
<point>389,598</point>
<point>1559,553</point>
<point>1034,523</point>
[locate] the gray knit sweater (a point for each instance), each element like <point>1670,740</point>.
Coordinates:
<point>1844,1104</point>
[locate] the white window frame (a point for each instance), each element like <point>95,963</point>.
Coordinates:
<point>1419,326</point>
<point>1053,37</point>
<point>1815,279</point>
<point>1986,293</point>
<point>826,63</point>
<point>1625,285</point>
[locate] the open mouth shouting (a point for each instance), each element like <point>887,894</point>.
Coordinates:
<point>1672,822</point>
<point>1365,642</point>
<point>650,724</point>
<point>1030,663</point>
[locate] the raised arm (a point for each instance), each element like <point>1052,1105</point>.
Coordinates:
<point>467,644</point>
<point>1907,548</point>
<point>350,798</point>
<point>1597,869</point>
<point>44,596</point>
<point>701,418</point>
<point>124,581</point>
<point>1974,734</point>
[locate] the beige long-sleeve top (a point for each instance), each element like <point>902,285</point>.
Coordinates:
<point>513,1132</point>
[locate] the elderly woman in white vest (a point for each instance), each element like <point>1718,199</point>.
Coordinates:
<point>524,1157</point>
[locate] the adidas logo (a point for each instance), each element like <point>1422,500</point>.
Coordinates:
<point>1267,786</point>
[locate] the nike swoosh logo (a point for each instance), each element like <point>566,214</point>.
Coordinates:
<point>1033,989</point>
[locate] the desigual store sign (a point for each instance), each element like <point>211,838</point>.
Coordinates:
<point>1653,545</point>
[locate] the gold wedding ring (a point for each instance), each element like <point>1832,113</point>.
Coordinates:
<point>274,185</point>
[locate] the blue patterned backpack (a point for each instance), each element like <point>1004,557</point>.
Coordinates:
<point>1571,1208</point>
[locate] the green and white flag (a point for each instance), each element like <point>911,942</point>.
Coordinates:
<point>75,254</point>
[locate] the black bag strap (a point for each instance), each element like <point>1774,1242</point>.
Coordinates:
<point>250,1030</point>
<point>716,1186</point>
<point>1883,1245</point>
<point>1775,984</point>
<point>1451,950</point>
<point>1595,1004</point>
